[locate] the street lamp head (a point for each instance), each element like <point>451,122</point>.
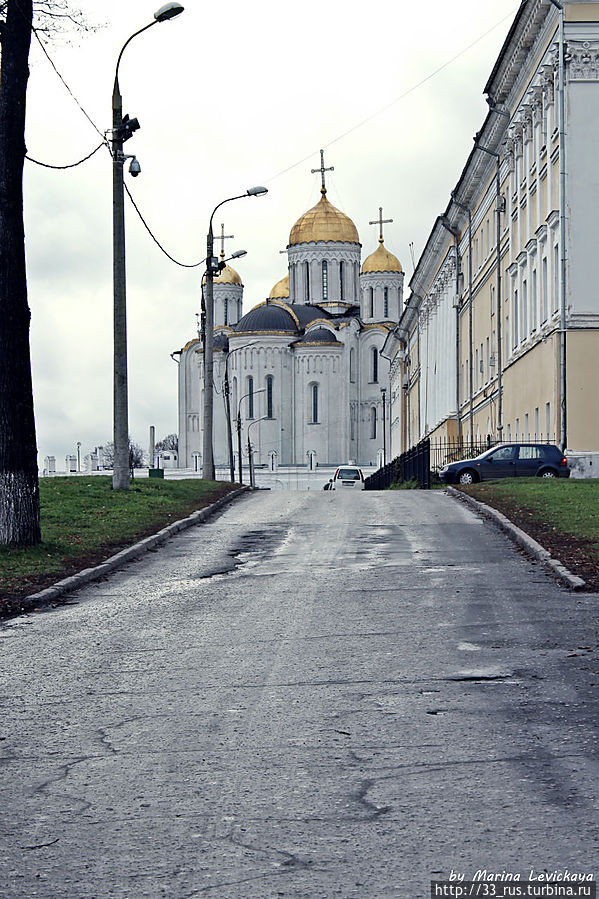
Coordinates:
<point>257,191</point>
<point>238,254</point>
<point>168,11</point>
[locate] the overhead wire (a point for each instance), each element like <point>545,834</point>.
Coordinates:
<point>71,165</point>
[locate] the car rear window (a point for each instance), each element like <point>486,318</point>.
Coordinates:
<point>349,474</point>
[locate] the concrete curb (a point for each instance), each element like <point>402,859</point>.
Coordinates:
<point>89,575</point>
<point>520,537</point>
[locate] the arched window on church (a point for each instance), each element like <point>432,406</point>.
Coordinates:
<point>307,281</point>
<point>373,423</point>
<point>374,365</point>
<point>314,411</point>
<point>352,366</point>
<point>386,303</point>
<point>250,393</point>
<point>269,403</point>
<point>325,279</point>
<point>341,288</point>
<point>371,301</point>
<point>226,311</point>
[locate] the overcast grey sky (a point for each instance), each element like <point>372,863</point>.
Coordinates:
<point>228,96</point>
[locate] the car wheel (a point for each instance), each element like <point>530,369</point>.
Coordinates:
<point>547,473</point>
<point>467,477</point>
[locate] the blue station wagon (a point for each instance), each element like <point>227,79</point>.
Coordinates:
<point>514,460</point>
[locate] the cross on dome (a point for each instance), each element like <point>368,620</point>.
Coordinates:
<point>322,170</point>
<point>222,239</point>
<point>380,222</point>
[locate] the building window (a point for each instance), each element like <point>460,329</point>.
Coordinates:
<point>516,318</point>
<point>373,423</point>
<point>250,392</point>
<point>371,302</point>
<point>226,311</point>
<point>325,279</point>
<point>269,407</point>
<point>314,404</point>
<point>544,291</point>
<point>524,307</point>
<point>536,434</point>
<point>341,289</point>
<point>352,366</point>
<point>307,281</point>
<point>548,420</point>
<point>386,303</point>
<point>533,301</point>
<point>374,365</point>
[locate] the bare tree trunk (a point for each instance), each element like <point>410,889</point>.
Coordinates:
<point>19,488</point>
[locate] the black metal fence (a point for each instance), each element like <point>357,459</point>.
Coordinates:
<point>424,461</point>
<point>413,465</point>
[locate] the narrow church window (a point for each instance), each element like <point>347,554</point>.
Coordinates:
<point>374,353</point>
<point>269,406</point>
<point>314,404</point>
<point>352,366</point>
<point>250,397</point>
<point>371,298</point>
<point>307,278</point>
<point>325,277</point>
<point>373,423</point>
<point>386,303</point>
<point>341,290</point>
<point>226,311</point>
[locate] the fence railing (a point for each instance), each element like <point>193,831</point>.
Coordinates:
<point>425,460</point>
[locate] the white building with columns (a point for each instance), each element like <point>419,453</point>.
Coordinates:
<point>306,377</point>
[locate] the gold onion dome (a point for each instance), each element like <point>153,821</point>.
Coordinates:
<point>228,276</point>
<point>324,222</point>
<point>281,290</point>
<point>381,261</point>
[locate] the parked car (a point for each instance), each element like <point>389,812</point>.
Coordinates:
<point>348,476</point>
<point>513,460</point>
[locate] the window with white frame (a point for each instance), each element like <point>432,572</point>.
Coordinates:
<point>534,311</point>
<point>544,291</point>
<point>515,319</point>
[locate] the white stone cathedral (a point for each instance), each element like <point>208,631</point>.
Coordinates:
<point>304,367</point>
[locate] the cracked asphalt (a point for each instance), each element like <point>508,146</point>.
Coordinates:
<point>312,695</point>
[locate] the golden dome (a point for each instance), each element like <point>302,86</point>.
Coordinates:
<point>323,222</point>
<point>281,289</point>
<point>228,276</point>
<point>381,261</point>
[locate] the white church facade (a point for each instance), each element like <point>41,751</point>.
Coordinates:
<point>307,380</point>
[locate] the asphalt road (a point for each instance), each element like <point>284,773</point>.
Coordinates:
<point>313,695</point>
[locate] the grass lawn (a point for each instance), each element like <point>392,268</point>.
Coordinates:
<point>84,521</point>
<point>562,515</point>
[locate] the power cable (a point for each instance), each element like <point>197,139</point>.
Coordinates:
<point>155,239</point>
<point>49,58</point>
<point>72,165</point>
<point>392,102</point>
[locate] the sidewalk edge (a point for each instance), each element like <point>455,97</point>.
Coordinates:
<point>89,575</point>
<point>520,537</point>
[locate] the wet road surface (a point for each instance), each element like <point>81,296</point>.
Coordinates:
<point>311,696</point>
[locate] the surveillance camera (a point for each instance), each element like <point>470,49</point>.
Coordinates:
<point>134,167</point>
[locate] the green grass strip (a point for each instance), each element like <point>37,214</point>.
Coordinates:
<point>84,519</point>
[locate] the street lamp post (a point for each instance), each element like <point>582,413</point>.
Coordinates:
<point>250,453</point>
<point>239,461</point>
<point>212,269</point>
<point>384,394</point>
<point>122,129</point>
<point>227,395</point>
